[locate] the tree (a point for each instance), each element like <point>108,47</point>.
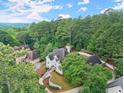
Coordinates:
<point>73,66</point>
<point>39,30</point>
<point>6,38</point>
<point>23,79</point>
<point>25,39</point>
<point>100,34</point>
<point>49,48</point>
<point>119,69</point>
<point>6,54</point>
<point>107,41</point>
<point>63,33</point>
<point>93,77</point>
<point>17,78</point>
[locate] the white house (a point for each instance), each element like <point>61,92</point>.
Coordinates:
<point>54,58</point>
<point>115,86</point>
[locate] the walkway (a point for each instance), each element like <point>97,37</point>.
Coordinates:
<point>75,90</point>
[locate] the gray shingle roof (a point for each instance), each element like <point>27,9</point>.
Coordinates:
<point>94,60</point>
<point>117,82</point>
<point>60,53</point>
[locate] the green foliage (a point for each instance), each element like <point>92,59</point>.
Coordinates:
<point>63,33</point>
<point>119,69</point>
<point>24,38</point>
<point>73,66</point>
<point>40,45</point>
<point>43,49</point>
<point>24,78</point>
<point>97,84</point>
<point>20,53</point>
<point>107,40</point>
<point>13,33</point>
<point>17,78</point>
<point>98,70</point>
<point>6,60</point>
<point>48,49</point>
<point>77,71</point>
<point>101,34</point>
<point>42,29</point>
<point>6,38</point>
<point>6,54</point>
<point>85,90</point>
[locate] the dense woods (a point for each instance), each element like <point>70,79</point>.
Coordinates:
<point>17,78</point>
<point>100,34</point>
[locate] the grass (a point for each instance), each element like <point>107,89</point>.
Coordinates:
<point>59,79</point>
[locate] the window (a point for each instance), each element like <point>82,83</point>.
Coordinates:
<point>119,91</point>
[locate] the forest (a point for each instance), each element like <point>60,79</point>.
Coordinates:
<point>101,34</point>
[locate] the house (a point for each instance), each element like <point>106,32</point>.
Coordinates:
<point>54,63</point>
<point>31,56</point>
<point>93,59</point>
<point>108,11</point>
<point>115,86</point>
<point>54,58</point>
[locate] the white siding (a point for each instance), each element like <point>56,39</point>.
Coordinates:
<point>116,89</point>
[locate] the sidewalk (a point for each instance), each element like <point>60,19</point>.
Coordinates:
<point>75,90</point>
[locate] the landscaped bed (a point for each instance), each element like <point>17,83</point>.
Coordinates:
<point>42,70</point>
<point>60,80</point>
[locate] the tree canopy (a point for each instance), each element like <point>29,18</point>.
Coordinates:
<point>100,34</point>
<point>6,38</point>
<point>77,71</point>
<point>17,78</point>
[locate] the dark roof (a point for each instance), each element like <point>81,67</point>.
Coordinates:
<point>94,60</point>
<point>117,82</point>
<point>35,55</point>
<point>60,53</point>
<point>32,55</point>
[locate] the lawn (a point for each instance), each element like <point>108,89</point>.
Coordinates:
<point>59,79</point>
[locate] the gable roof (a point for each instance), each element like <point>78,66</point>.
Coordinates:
<point>60,53</point>
<point>117,82</point>
<point>32,55</point>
